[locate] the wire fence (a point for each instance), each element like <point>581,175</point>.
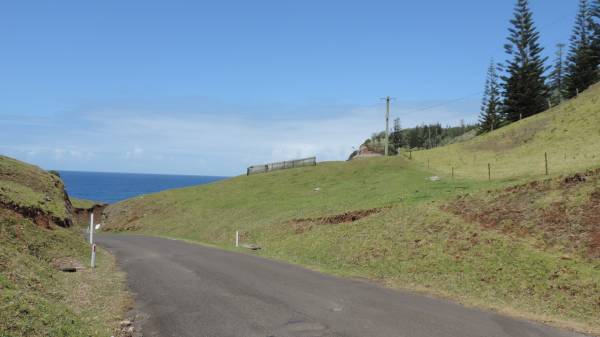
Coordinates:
<point>500,167</point>
<point>282,165</point>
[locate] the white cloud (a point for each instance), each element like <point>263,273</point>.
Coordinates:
<point>135,153</point>
<point>59,153</point>
<point>200,141</point>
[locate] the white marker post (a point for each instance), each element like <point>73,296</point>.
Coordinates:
<point>93,263</point>
<point>237,238</point>
<point>92,228</point>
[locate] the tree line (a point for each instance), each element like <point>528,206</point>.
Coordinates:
<point>519,87</point>
<point>425,136</point>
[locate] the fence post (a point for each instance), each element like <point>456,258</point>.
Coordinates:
<point>489,172</point>
<point>452,172</point>
<point>92,227</point>
<point>546,160</point>
<point>237,238</point>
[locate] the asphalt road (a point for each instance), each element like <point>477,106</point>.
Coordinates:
<point>192,290</point>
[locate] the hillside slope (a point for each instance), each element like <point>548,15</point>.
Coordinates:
<point>568,133</point>
<point>386,220</point>
<point>34,193</point>
<point>35,240</point>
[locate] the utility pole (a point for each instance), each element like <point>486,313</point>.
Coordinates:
<point>387,124</point>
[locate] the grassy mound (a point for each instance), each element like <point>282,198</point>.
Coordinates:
<point>387,219</point>
<point>37,298</point>
<point>28,189</point>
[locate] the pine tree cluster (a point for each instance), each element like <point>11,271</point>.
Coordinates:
<point>596,39</point>
<point>582,61</point>
<point>425,136</point>
<point>525,90</point>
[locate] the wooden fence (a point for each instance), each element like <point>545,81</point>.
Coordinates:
<point>282,165</point>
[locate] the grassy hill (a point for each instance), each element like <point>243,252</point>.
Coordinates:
<point>35,239</point>
<point>568,133</point>
<point>386,220</point>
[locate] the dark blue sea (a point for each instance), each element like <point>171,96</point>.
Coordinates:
<point>114,187</point>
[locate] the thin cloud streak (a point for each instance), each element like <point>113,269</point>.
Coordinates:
<point>161,140</point>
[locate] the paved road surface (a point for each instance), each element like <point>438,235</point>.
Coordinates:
<point>191,290</point>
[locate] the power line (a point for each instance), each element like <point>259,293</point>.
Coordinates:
<point>452,101</point>
<point>444,103</point>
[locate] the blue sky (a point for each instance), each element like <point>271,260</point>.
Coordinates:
<point>210,87</point>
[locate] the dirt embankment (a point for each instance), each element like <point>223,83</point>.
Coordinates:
<point>47,203</point>
<point>81,216</point>
<point>41,217</point>
<point>45,219</point>
<point>563,213</point>
<point>306,224</point>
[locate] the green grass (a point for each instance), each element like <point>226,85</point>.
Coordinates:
<point>39,300</point>
<point>212,212</point>
<point>568,133</point>
<point>83,203</point>
<point>560,213</point>
<point>28,186</point>
<point>36,299</point>
<point>412,243</point>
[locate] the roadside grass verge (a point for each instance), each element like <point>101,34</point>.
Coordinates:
<point>421,248</point>
<point>36,240</point>
<point>39,300</point>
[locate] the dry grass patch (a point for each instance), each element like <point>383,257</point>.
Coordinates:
<point>562,213</point>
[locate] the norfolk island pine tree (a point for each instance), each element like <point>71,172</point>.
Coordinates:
<point>490,119</point>
<point>581,61</point>
<point>524,85</point>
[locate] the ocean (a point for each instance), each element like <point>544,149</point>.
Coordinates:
<point>114,187</point>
